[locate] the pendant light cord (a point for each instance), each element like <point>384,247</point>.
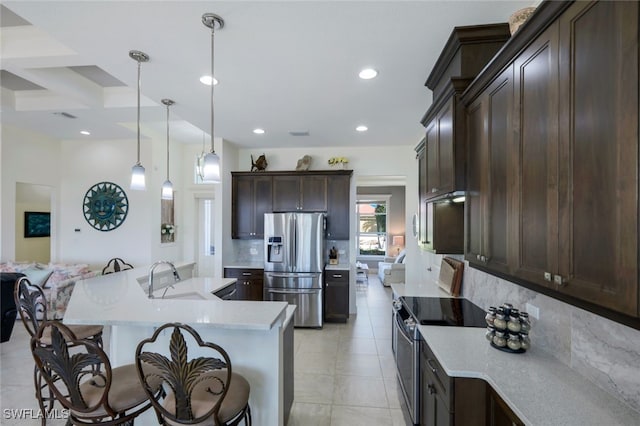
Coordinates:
<point>168,141</point>
<point>139,65</point>
<point>212,85</point>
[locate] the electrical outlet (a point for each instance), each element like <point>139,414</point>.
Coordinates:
<point>253,251</point>
<point>533,310</point>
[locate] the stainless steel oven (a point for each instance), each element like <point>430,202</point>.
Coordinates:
<point>408,313</point>
<point>406,348</point>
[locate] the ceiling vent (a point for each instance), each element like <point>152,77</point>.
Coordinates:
<point>65,114</point>
<point>299,133</point>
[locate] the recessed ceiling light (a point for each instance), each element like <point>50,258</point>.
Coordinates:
<point>258,131</point>
<point>85,132</point>
<point>206,79</point>
<point>362,128</point>
<point>368,74</point>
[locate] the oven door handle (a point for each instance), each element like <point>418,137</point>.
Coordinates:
<point>400,326</point>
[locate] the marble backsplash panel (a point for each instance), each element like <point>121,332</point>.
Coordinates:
<point>606,352</point>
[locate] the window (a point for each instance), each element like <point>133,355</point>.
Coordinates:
<point>372,227</point>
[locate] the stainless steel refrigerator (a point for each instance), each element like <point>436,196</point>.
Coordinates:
<point>293,264</point>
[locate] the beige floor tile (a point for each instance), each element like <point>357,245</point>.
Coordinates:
<point>382,332</point>
<point>358,345</point>
<point>388,367</point>
<point>319,344</point>
<point>360,416</point>
<point>397,417</point>
<point>394,393</point>
<point>359,391</point>
<point>384,347</point>
<point>314,388</point>
<point>314,363</point>
<point>358,365</point>
<point>304,414</point>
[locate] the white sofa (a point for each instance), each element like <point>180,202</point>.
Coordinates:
<point>391,271</point>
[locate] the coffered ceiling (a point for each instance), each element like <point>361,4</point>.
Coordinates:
<point>284,66</point>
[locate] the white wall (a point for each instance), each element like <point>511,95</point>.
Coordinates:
<point>30,158</point>
<point>71,168</point>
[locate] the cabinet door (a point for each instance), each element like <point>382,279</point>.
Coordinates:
<point>263,203</point>
<point>338,202</point>
<point>251,199</point>
<point>286,193</point>
<point>336,294</point>
<point>313,193</point>
<point>536,76</point>
<point>490,174</point>
<point>423,194</point>
<point>498,413</point>
<point>446,163</point>
<point>599,154</point>
<point>432,172</point>
<point>474,208</point>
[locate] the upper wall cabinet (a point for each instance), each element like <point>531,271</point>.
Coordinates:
<point>553,200</point>
<point>300,193</point>
<point>251,198</point>
<point>467,51</point>
<point>256,193</point>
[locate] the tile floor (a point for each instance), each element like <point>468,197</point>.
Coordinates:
<point>344,373</point>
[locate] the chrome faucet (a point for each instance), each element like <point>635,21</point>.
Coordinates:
<point>176,276</point>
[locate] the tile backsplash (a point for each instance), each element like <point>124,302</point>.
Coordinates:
<point>252,251</point>
<point>606,352</point>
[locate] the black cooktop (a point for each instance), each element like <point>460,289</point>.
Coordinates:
<point>445,311</point>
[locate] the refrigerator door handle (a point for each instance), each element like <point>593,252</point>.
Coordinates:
<point>293,274</point>
<point>293,291</point>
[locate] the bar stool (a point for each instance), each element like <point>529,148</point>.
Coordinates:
<point>200,390</point>
<point>31,304</point>
<point>79,375</point>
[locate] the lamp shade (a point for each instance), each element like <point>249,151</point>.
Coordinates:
<point>211,168</point>
<point>167,190</point>
<point>137,177</point>
<point>398,240</point>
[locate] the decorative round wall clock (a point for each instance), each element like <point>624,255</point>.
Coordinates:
<point>105,206</point>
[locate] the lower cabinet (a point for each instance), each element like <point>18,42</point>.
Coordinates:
<point>336,295</point>
<point>249,282</point>
<point>458,401</point>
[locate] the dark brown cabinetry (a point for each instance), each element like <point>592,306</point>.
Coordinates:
<point>249,282</point>
<point>336,295</point>
<point>300,193</point>
<point>251,198</point>
<point>498,412</point>
<point>553,167</point>
<point>449,401</point>
<point>489,172</point>
<point>254,194</point>
<point>466,52</point>
<point>338,196</point>
<point>440,227</point>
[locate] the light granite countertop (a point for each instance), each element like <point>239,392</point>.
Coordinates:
<point>338,267</point>
<point>540,390</point>
<point>118,299</point>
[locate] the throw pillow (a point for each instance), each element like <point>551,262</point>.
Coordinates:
<point>37,276</point>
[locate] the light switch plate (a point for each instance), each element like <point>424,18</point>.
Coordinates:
<point>533,310</point>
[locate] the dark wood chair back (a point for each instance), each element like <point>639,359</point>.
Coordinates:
<point>182,376</point>
<point>116,265</point>
<point>31,304</point>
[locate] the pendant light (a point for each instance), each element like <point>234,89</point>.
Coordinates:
<point>167,186</point>
<point>137,171</point>
<point>211,168</point>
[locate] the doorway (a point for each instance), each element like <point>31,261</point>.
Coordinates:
<point>205,233</point>
<point>33,202</point>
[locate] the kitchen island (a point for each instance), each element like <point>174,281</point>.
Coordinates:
<point>255,334</point>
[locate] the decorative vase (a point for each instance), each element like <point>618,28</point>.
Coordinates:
<point>519,17</point>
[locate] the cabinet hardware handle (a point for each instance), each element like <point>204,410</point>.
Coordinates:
<point>434,189</point>
<point>246,274</point>
<point>547,276</point>
<point>434,370</point>
<point>429,269</point>
<point>337,275</point>
<point>558,280</point>
<point>432,390</point>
